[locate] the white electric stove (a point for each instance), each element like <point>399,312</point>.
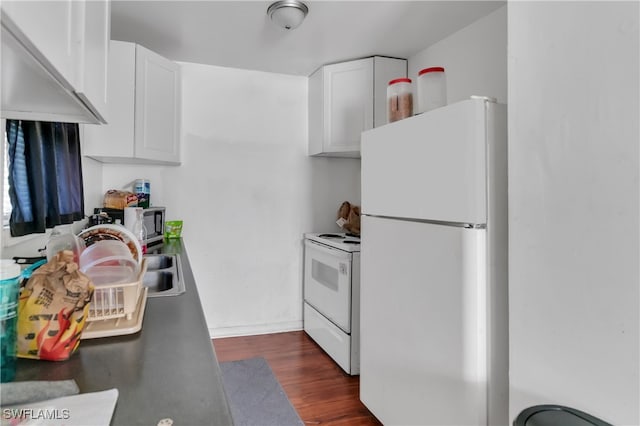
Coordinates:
<point>332,296</point>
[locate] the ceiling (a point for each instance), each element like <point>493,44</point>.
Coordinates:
<point>239,34</point>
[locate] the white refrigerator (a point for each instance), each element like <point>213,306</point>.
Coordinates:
<point>434,316</point>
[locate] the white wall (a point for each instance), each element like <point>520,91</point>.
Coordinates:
<point>574,207</point>
<point>247,192</point>
<point>474,58</point>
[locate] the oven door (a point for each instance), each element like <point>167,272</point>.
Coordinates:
<point>327,282</point>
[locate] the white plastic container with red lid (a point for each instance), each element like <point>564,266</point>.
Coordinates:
<point>432,89</point>
<point>399,99</point>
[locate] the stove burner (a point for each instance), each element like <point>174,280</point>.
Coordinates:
<point>331,236</point>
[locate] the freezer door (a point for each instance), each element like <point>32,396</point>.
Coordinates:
<point>431,166</point>
<point>423,323</point>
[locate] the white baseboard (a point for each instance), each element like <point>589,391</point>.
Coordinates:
<point>252,330</point>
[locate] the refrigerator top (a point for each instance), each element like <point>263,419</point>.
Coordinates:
<point>345,242</point>
<point>447,165</point>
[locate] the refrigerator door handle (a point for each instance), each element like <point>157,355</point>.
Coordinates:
<point>475,226</point>
<point>433,222</point>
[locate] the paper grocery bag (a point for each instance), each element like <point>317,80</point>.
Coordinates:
<point>53,308</point>
<point>349,218</point>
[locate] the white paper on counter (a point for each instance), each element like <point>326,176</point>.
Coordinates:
<point>85,409</point>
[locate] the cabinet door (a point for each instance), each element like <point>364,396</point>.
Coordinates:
<point>157,107</point>
<point>114,142</point>
<point>348,104</point>
<point>54,60</point>
<point>29,92</point>
<point>50,27</point>
<point>95,23</point>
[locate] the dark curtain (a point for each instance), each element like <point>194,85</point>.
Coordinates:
<point>45,175</point>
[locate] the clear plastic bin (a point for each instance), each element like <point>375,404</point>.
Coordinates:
<point>399,99</point>
<point>106,253</point>
<point>117,299</point>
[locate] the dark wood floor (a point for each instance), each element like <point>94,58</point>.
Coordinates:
<point>318,389</point>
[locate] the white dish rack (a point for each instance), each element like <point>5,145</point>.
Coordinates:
<point>118,300</point>
<point>117,326</point>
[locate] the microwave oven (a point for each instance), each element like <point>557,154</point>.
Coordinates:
<point>154,223</point>
<point>153,219</point>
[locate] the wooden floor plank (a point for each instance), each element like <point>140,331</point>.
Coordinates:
<point>320,391</point>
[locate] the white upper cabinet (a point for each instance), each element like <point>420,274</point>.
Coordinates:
<point>346,99</point>
<point>54,57</point>
<point>144,109</point>
<point>92,73</point>
<point>157,107</point>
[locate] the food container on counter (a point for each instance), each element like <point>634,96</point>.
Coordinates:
<point>399,99</point>
<point>108,261</point>
<point>62,239</point>
<point>110,232</point>
<point>173,229</point>
<point>142,189</point>
<point>432,89</point>
<point>9,291</point>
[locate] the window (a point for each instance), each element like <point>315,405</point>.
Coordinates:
<point>45,175</point>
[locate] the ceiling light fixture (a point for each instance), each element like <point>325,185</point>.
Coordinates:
<point>288,13</point>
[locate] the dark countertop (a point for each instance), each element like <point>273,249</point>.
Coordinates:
<point>167,370</point>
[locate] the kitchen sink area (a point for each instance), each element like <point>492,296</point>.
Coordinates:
<point>163,276</point>
<point>172,328</point>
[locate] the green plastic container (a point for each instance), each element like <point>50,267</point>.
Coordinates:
<point>172,229</point>
<point>9,293</point>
